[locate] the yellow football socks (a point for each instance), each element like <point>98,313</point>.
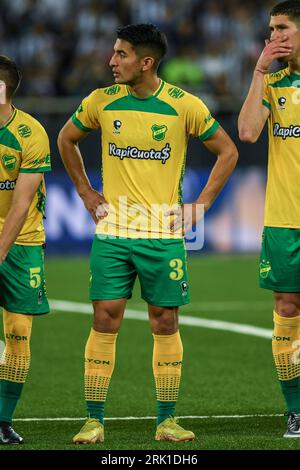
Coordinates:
<point>286,353</point>
<point>99,365</point>
<point>167,362</point>
<point>15,361</point>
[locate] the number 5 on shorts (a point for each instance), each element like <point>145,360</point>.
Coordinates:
<point>35,278</point>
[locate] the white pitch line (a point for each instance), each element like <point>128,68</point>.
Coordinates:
<point>223,305</point>
<point>78,307</point>
<point>139,418</point>
<point>229,305</point>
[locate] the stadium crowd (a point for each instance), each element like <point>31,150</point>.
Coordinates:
<point>63,46</point>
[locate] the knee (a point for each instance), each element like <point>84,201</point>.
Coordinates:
<point>287,306</point>
<point>17,326</point>
<point>17,330</point>
<point>288,309</point>
<point>163,321</point>
<point>105,322</point>
<point>108,315</point>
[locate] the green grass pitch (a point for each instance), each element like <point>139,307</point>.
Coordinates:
<point>225,374</point>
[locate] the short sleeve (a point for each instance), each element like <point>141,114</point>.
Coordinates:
<point>36,152</point>
<point>266,98</point>
<point>86,115</point>
<point>200,122</point>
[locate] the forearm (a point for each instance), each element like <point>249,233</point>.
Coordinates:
<point>74,165</point>
<point>251,119</point>
<point>14,222</point>
<point>72,159</point>
<point>219,175</point>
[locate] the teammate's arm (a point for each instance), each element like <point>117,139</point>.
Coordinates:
<point>67,142</point>
<point>26,187</point>
<point>254,114</point>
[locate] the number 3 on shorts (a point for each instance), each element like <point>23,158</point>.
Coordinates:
<point>177,273</point>
<point>35,278</point>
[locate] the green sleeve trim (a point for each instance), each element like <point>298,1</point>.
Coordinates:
<point>80,125</point>
<point>266,104</point>
<point>42,169</point>
<point>209,131</point>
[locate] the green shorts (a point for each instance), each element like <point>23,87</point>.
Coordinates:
<point>279,268</point>
<point>22,282</point>
<point>160,265</point>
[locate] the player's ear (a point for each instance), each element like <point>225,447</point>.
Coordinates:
<point>2,92</point>
<point>147,63</point>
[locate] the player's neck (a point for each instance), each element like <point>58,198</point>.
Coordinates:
<point>145,88</point>
<point>294,65</point>
<point>6,112</point>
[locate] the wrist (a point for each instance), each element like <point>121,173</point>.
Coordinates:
<point>83,191</point>
<point>261,70</point>
<point>204,204</point>
<point>3,253</point>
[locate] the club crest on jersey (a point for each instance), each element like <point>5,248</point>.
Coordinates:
<point>117,126</point>
<point>281,102</point>
<point>9,162</point>
<point>159,132</point>
<point>264,269</point>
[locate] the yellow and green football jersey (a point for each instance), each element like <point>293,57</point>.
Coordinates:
<point>24,148</point>
<point>144,144</point>
<point>282,98</point>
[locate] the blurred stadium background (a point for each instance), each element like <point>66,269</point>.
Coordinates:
<point>63,48</point>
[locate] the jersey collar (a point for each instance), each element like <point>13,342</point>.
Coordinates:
<point>155,94</point>
<point>293,75</point>
<point>12,117</point>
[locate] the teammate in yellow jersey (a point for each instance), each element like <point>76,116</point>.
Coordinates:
<point>145,125</point>
<point>274,97</point>
<point>24,158</point>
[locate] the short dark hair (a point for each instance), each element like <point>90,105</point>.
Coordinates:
<point>10,75</point>
<point>290,8</point>
<point>145,36</point>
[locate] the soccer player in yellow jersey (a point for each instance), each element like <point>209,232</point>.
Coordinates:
<point>145,125</point>
<point>275,97</point>
<point>24,157</point>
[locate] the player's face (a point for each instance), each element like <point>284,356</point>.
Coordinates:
<point>281,27</point>
<point>125,64</point>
